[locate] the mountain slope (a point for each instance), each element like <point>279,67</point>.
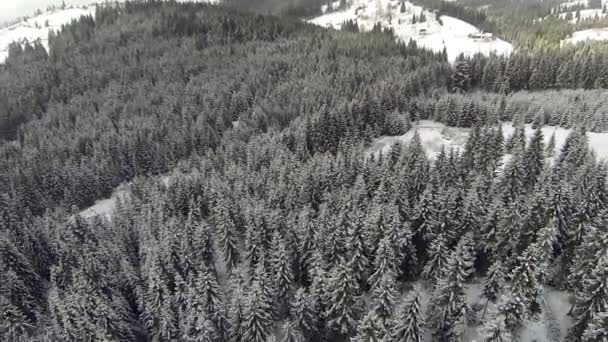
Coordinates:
<point>454,35</point>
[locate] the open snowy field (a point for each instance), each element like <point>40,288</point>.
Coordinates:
<point>455,35</point>
<point>38,27</point>
<point>434,135</point>
<point>584,15</point>
<point>585,35</point>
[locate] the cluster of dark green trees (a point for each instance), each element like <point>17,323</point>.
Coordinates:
<point>572,66</point>
<point>275,222</point>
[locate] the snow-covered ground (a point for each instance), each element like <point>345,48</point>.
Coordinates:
<point>568,4</point>
<point>584,15</point>
<point>434,135</point>
<point>449,33</point>
<point>587,35</point>
<point>38,27</point>
<point>106,207</point>
<point>552,321</point>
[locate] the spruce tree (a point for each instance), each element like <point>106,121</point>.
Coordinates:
<point>305,313</point>
<point>369,329</point>
<point>283,274</point>
<point>495,330</point>
<point>526,281</point>
<point>342,311</point>
<point>291,333</point>
<point>592,300</point>
<point>533,159</point>
<point>493,284</point>
<point>384,296</point>
<point>408,323</point>
<point>436,265</point>
<point>597,330</point>
<point>448,304</point>
<point>226,233</point>
<point>257,319</point>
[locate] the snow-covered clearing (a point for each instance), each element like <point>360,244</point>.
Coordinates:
<point>586,35</point>
<point>573,3</point>
<point>455,35</point>
<point>552,321</point>
<point>38,27</point>
<point>583,15</point>
<point>434,135</point>
<point>106,207</point>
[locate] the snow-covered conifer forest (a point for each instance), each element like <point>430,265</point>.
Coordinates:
<point>256,171</point>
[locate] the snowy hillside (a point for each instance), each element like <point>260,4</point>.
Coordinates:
<point>38,27</point>
<point>585,35</point>
<point>593,13</point>
<point>455,35</point>
<point>434,135</point>
<point>573,3</point>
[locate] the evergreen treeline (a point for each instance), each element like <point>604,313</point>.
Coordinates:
<point>145,85</point>
<point>572,66</point>
<point>276,223</point>
<point>562,108</point>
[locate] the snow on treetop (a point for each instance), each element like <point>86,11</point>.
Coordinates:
<point>38,27</point>
<point>416,23</point>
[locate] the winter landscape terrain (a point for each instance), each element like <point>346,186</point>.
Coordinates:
<point>180,171</point>
<point>452,34</point>
<point>37,27</point>
<point>436,136</point>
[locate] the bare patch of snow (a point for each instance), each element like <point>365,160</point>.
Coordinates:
<point>38,28</point>
<point>435,135</point>
<point>106,207</point>
<point>588,35</point>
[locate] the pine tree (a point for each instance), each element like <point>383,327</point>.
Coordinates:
<point>257,321</point>
<point>305,314</point>
<point>291,333</point>
<point>436,266</point>
<point>384,296</point>
<point>226,233</point>
<point>461,77</point>
<point>402,7</point>
<point>592,300</point>
<point>512,307</point>
<point>369,329</point>
<point>283,274</point>
<point>597,330</point>
<point>385,261</point>
<point>342,311</point>
<point>306,249</point>
<point>14,325</point>
<point>493,284</point>
<point>533,159</point>
<point>448,304</point>
<point>408,324</point>
<point>526,281</point>
<point>495,330</point>
<point>358,258</point>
